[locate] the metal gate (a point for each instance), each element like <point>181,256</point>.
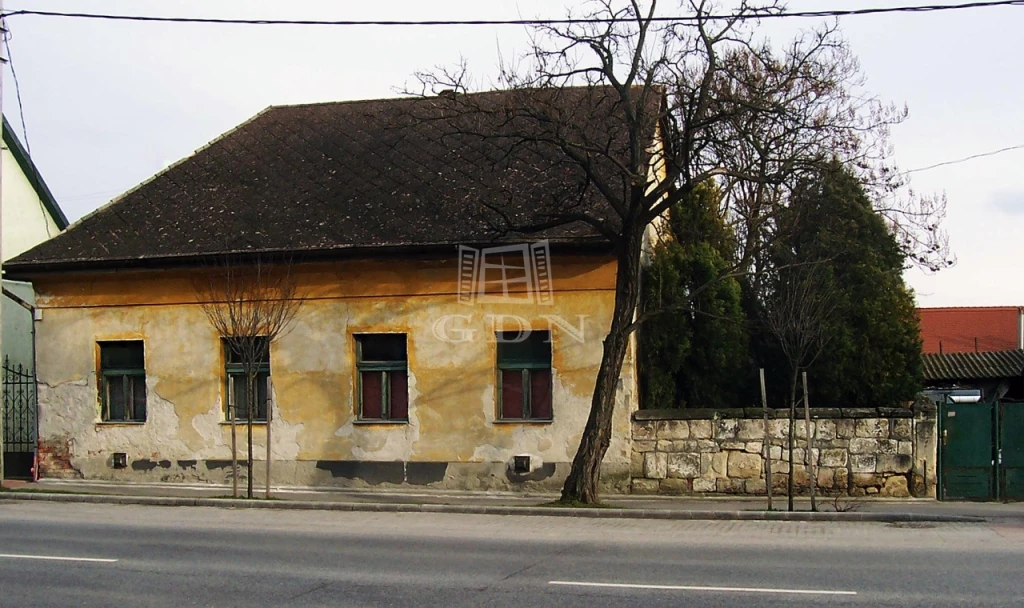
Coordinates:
<point>1010,455</point>
<point>968,463</point>
<point>19,418</point>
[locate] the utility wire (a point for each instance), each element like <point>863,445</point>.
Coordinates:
<point>965,159</point>
<point>537,22</point>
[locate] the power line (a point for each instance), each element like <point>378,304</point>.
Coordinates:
<point>965,159</point>
<point>537,22</point>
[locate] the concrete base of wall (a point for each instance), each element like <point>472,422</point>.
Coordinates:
<point>484,476</point>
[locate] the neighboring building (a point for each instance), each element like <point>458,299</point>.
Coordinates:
<point>997,375</point>
<point>392,372</point>
<point>972,329</point>
<point>30,216</point>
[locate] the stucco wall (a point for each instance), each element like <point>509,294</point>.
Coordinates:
<point>25,221</point>
<point>451,439</point>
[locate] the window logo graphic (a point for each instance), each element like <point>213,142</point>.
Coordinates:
<point>519,274</point>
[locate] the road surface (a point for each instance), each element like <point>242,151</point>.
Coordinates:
<point>56,554</point>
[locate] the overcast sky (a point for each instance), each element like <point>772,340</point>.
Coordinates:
<point>108,104</point>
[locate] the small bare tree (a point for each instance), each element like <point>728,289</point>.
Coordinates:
<point>798,308</point>
<point>250,302</point>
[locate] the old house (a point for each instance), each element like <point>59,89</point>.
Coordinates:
<point>432,345</point>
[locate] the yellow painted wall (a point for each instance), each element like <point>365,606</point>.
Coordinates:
<point>452,386</point>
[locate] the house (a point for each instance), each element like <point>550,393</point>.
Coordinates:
<point>972,329</point>
<point>432,347</point>
<point>30,216</point>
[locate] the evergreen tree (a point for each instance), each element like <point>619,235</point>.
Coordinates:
<point>873,356</point>
<point>694,352</point>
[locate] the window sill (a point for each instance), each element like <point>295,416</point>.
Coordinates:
<point>244,423</point>
<point>380,422</point>
<point>121,423</point>
<point>526,421</point>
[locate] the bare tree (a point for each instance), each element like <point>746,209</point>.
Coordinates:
<point>250,302</point>
<point>798,309</point>
<point>680,103</point>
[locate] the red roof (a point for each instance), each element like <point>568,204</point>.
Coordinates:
<point>968,330</point>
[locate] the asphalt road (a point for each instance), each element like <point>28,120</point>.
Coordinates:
<point>159,556</point>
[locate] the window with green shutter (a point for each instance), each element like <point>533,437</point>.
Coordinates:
<point>237,383</point>
<point>382,365</point>
<point>123,381</point>
<point>524,376</point>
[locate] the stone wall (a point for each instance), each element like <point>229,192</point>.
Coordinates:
<point>856,451</point>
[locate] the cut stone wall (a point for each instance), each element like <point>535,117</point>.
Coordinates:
<point>856,451</point>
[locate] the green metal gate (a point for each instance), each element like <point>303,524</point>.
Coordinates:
<point>19,418</point>
<point>1010,451</point>
<point>966,432</point>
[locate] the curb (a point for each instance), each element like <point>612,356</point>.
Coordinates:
<point>606,513</point>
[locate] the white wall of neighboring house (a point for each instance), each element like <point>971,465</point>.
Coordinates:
<point>26,222</point>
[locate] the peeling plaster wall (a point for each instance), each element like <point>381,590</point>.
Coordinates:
<point>452,438</point>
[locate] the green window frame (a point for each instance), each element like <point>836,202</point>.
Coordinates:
<point>236,389</point>
<point>122,384</point>
<point>524,377</point>
<point>382,377</point>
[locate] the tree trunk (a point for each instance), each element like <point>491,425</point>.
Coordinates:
<point>809,456</point>
<point>767,443</point>
<point>250,381</point>
<point>792,427</point>
<point>232,413</point>
<point>582,483</point>
<point>270,416</point>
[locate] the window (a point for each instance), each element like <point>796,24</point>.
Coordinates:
<point>237,387</point>
<point>524,376</point>
<point>123,381</point>
<point>383,377</point>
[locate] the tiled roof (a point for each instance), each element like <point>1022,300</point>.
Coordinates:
<point>330,177</point>
<point>973,366</point>
<point>968,330</point>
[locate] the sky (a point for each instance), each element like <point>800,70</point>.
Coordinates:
<point>108,104</point>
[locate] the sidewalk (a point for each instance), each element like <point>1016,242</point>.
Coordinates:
<point>506,503</point>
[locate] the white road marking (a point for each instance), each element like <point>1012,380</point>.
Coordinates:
<point>701,588</point>
<point>59,558</point>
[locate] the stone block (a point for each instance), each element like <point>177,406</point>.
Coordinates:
<point>902,429</point>
<point>751,430</point>
<point>675,487</point>
<point>905,447</point>
<point>685,445</point>
<point>683,466</point>
<point>705,464</point>
<point>636,464</point>
<point>859,412</point>
<point>826,430</point>
<point>745,466</point>
<point>861,445</point>
<point>780,466</point>
<point>644,445</point>
<point>780,481</point>
<point>801,477</point>
<point>864,480</point>
<point>779,429</point>
<point>755,486</point>
<point>700,429</point>
<point>775,452</point>
<point>673,429</point>
<point>798,455</point>
<point>833,458</point>
<point>664,445</point>
<point>871,490</point>
<point>846,429</point>
<point>734,445</point>
<point>731,486</point>
<point>896,487</point>
<point>801,429</point>
<point>708,445</point>
<point>842,478</point>
<point>856,492</point>
<point>826,478</point>
<point>645,430</point>
<point>873,428</point>
<point>705,485</point>
<point>894,463</point>
<point>726,428</point>
<point>754,447</point>
<point>861,463</point>
<point>655,465</point>
<point>719,465</point>
<point>645,486</point>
